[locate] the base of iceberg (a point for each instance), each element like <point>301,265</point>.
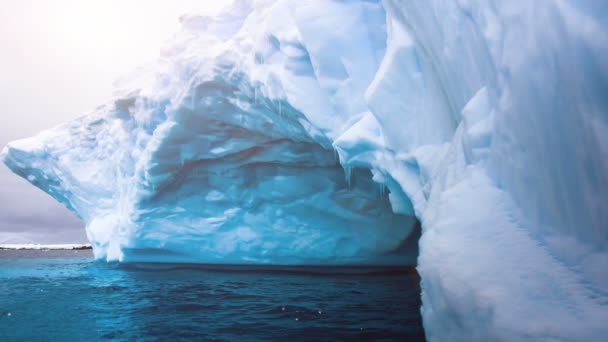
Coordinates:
<point>304,133</point>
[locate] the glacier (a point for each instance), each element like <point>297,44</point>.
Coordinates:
<point>288,132</point>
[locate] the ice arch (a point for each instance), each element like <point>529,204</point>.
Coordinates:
<point>227,176</point>
<point>221,157</point>
<point>484,119</point>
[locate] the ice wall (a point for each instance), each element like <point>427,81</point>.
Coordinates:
<point>515,219</point>
<point>313,132</point>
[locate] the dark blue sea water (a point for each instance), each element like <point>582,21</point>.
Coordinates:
<point>67,296</point>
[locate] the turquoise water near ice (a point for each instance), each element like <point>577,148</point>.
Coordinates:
<point>73,298</point>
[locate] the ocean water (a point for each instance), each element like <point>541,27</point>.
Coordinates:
<point>65,295</point>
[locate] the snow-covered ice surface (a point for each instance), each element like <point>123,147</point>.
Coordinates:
<point>313,132</point>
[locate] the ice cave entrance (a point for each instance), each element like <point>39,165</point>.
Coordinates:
<point>405,230</point>
<point>305,212</point>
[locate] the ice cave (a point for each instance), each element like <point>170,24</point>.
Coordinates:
<point>301,132</point>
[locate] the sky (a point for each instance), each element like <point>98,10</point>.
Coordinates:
<point>58,60</point>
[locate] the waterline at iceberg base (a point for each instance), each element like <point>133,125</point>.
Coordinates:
<point>320,132</point>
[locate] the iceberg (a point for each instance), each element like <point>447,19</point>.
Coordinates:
<point>291,132</point>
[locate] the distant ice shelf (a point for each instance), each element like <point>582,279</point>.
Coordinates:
<point>45,247</point>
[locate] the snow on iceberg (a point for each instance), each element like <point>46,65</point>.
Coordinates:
<point>298,132</point>
<point>211,158</point>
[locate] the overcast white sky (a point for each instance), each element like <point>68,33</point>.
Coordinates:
<point>58,60</point>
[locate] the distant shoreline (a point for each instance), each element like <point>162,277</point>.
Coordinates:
<point>45,247</point>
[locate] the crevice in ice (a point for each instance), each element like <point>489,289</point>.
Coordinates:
<point>348,175</point>
<point>409,245</point>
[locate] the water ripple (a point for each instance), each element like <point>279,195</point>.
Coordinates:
<point>77,299</point>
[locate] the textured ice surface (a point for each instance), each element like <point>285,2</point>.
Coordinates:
<point>223,153</point>
<point>300,132</point>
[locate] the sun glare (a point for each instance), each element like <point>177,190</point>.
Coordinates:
<point>68,53</point>
<point>124,31</point>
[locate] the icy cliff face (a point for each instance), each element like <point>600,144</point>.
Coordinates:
<point>293,132</point>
